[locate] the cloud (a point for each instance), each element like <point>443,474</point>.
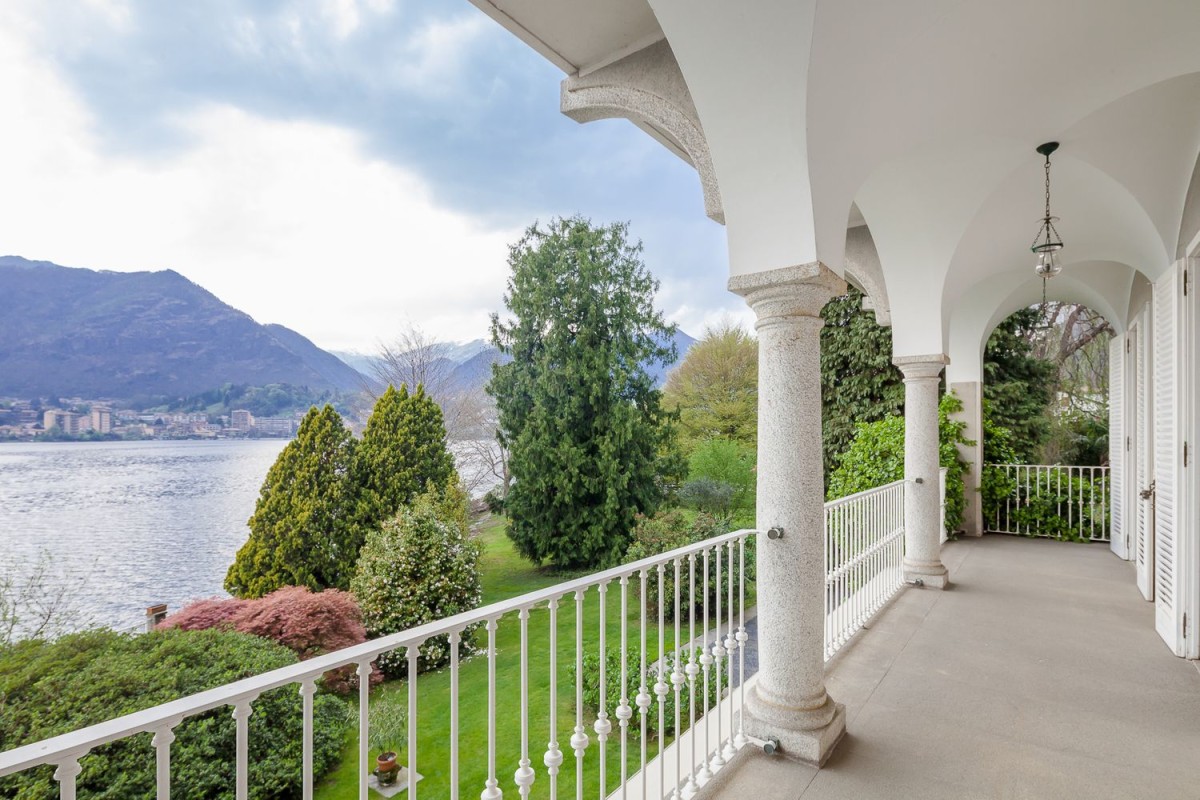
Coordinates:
<point>289,221</point>
<point>333,165</point>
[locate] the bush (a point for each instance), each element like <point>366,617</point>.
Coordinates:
<point>727,462</point>
<point>1041,509</point>
<point>307,623</point>
<point>994,485</point>
<point>669,530</point>
<point>633,661</point>
<point>707,495</point>
<point>494,501</point>
<point>876,458</point>
<point>50,688</point>
<point>418,567</point>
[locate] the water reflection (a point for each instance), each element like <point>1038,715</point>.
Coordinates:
<point>127,524</point>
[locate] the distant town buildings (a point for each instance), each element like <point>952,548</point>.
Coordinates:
<point>24,419</point>
<point>241,420</point>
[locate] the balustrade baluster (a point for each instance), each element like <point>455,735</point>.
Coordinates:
<point>579,739</point>
<point>65,772</point>
<point>643,697</point>
<point>308,689</point>
<point>677,679</point>
<point>554,757</point>
<point>624,712</point>
<point>492,789</point>
<point>603,727</point>
<point>412,653</point>
<point>242,709</point>
<point>730,648</point>
<point>718,650</point>
<point>161,742</point>
<point>524,775</point>
<point>364,708</point>
<point>660,685</point>
<point>705,662</point>
<point>455,640</point>
<point>693,669</point>
<point>742,638</point>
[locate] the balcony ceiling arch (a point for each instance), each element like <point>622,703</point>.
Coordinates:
<point>1102,286</point>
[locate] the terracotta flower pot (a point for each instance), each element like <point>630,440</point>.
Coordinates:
<point>386,769</point>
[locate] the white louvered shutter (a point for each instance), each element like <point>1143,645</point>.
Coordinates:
<point>1116,443</point>
<point>1167,460</point>
<point>1143,544</point>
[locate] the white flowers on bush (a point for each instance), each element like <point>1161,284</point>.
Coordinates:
<point>418,567</point>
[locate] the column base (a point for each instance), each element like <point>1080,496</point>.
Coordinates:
<point>808,745</point>
<point>933,576</point>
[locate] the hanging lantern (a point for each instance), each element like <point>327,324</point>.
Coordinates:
<point>1047,243</point>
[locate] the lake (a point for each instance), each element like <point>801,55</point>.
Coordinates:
<point>129,524</point>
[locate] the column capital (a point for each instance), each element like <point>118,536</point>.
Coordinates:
<point>799,291</point>
<point>918,367</point>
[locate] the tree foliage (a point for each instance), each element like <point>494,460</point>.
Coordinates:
<point>1018,386</point>
<point>307,623</point>
<point>50,688</point>
<point>859,383</point>
<point>578,412</point>
<point>876,457</point>
<point>402,454</point>
<point>728,462</point>
<point>304,531</point>
<point>715,388</point>
<point>418,567</point>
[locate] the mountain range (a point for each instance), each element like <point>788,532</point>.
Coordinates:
<point>123,335</point>
<point>146,336</point>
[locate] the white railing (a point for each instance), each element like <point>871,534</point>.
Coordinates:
<point>1063,502</point>
<point>864,554</point>
<point>864,546</point>
<point>942,501</point>
<point>719,626</point>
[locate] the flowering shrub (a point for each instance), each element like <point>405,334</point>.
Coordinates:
<point>307,623</point>
<point>417,568</point>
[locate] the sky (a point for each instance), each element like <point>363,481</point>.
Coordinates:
<point>342,167</point>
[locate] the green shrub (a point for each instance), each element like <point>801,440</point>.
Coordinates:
<point>994,485</point>
<point>417,568</point>
<point>876,458</point>
<point>707,495</point>
<point>1054,504</point>
<point>50,688</point>
<point>633,656</point>
<point>726,462</point>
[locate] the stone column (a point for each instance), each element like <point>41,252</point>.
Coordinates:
<point>922,500</point>
<point>789,701</point>
<point>971,394</point>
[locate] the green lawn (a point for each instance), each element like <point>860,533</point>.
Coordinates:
<point>505,574</point>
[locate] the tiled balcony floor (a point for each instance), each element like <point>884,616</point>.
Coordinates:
<point>1037,675</point>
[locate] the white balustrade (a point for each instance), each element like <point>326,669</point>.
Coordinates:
<point>864,555</point>
<point>707,670</point>
<point>1050,500</point>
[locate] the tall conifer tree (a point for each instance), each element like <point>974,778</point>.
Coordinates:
<point>578,411</point>
<point>303,531</point>
<point>402,454</point>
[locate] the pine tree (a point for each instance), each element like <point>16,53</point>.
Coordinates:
<point>578,411</point>
<point>303,531</point>
<point>402,454</point>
